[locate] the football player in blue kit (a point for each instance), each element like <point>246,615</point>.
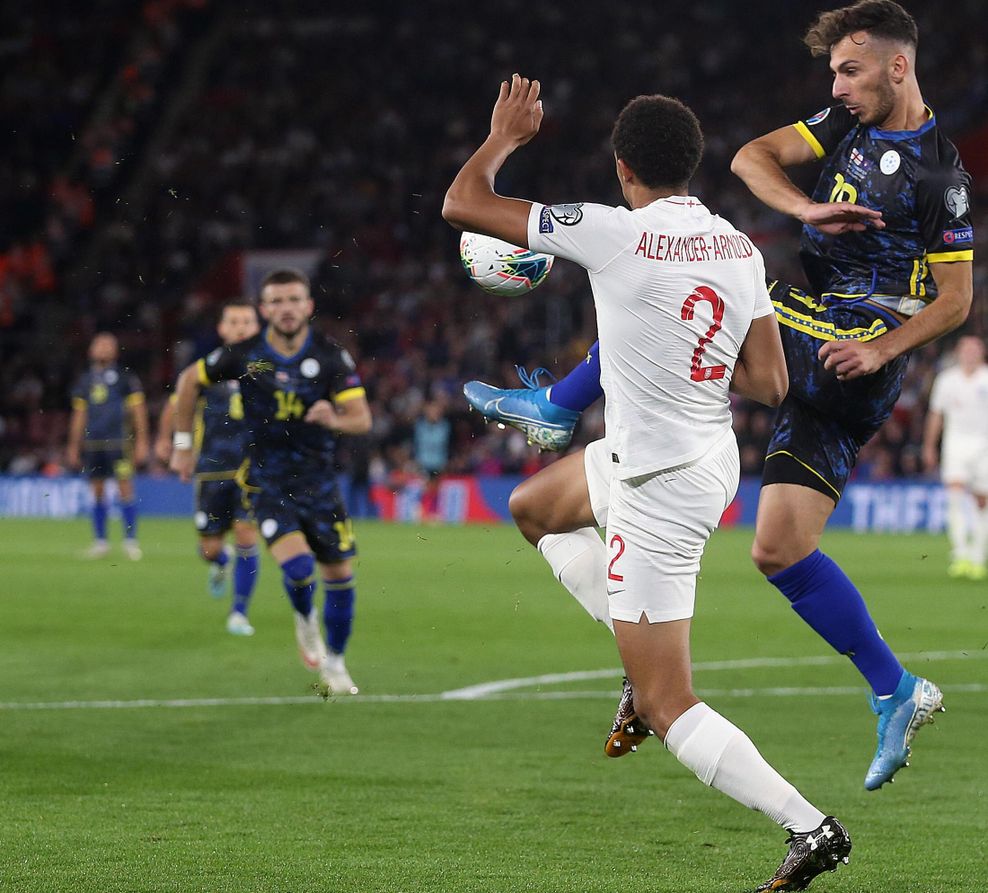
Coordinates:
<point>108,437</point>
<point>887,247</point>
<point>220,441</point>
<point>300,391</point>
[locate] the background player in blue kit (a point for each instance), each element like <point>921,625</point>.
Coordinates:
<point>108,437</point>
<point>887,247</point>
<point>300,391</point>
<point>220,441</point>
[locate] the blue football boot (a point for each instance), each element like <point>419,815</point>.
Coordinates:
<point>913,703</point>
<point>528,409</point>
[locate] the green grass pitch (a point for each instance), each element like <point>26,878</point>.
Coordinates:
<point>502,792</point>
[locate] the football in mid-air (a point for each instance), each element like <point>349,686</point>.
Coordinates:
<point>501,268</point>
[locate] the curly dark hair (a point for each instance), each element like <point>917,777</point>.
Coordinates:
<point>880,18</point>
<point>660,139</point>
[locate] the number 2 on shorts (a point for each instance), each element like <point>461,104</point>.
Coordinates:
<point>612,574</point>
<point>701,293</point>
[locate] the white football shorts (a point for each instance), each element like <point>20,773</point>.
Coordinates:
<point>964,460</point>
<point>657,527</point>
<point>597,465</point>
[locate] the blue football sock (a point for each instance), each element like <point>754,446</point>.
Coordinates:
<point>582,386</point>
<point>99,520</point>
<point>298,576</point>
<point>822,594</point>
<point>245,577</point>
<point>129,510</point>
<point>220,560</point>
<point>338,612</point>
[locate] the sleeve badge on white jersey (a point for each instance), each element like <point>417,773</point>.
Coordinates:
<point>567,215</point>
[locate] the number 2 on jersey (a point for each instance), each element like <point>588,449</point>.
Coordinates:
<point>702,293</point>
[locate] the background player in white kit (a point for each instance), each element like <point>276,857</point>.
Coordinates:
<point>682,313</point>
<point>957,411</point>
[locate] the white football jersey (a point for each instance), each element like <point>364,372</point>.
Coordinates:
<point>963,400</point>
<point>675,289</point>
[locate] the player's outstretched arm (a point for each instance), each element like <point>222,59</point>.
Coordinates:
<point>761,165</point>
<point>955,291</point>
<point>760,371</point>
<point>186,393</point>
<point>471,203</point>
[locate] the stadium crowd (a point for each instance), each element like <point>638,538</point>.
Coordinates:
<point>178,137</point>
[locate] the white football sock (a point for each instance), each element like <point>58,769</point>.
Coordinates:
<point>979,542</point>
<point>579,561</point>
<point>958,523</point>
<point>722,756</point>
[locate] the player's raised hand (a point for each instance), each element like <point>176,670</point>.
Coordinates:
<point>518,111</point>
<point>322,412</point>
<point>835,218</point>
<point>851,359</point>
<point>182,463</point>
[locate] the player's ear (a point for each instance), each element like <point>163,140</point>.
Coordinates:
<point>624,173</point>
<point>899,67</point>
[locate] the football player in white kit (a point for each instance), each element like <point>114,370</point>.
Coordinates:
<point>682,313</point>
<point>957,411</point>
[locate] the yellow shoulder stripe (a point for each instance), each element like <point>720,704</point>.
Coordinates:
<point>79,403</point>
<point>349,394</point>
<point>135,399</point>
<point>805,133</point>
<point>947,257</point>
<point>204,378</point>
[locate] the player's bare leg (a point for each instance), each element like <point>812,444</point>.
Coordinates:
<point>791,519</point>
<point>657,659</point>
<point>552,510</point>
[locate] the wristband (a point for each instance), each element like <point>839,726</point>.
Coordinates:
<point>182,440</point>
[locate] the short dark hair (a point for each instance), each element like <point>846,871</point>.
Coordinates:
<point>285,276</point>
<point>660,139</point>
<point>236,302</point>
<point>880,18</point>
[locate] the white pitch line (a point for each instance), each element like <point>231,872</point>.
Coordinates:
<point>509,689</point>
<point>486,689</point>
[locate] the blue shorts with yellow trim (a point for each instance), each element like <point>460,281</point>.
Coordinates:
<point>823,423</point>
<point>314,508</point>
<point>101,464</point>
<point>219,505</point>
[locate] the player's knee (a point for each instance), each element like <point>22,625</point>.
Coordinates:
<point>659,707</point>
<point>767,559</point>
<point>299,571</point>
<point>210,550</point>
<point>527,510</point>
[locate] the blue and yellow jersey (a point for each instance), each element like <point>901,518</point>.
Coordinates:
<point>221,431</point>
<point>277,392</point>
<point>106,394</point>
<point>916,179</point>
